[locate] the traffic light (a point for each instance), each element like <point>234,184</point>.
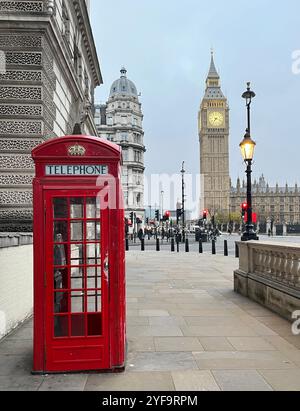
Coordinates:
<point>205,214</point>
<point>178,215</point>
<point>132,217</point>
<point>157,216</point>
<point>244,209</point>
<point>167,216</point>
<point>147,221</point>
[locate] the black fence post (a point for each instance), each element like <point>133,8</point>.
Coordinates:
<point>172,245</point>
<point>237,251</point>
<point>157,245</point>
<point>214,251</point>
<point>178,246</point>
<point>127,244</point>
<point>143,244</point>
<point>200,247</point>
<point>187,246</point>
<point>225,248</point>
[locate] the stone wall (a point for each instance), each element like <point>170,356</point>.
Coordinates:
<point>16,279</point>
<point>269,273</point>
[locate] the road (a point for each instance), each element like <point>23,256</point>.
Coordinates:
<point>207,247</point>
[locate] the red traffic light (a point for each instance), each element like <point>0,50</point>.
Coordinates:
<point>205,214</point>
<point>167,214</point>
<point>244,206</point>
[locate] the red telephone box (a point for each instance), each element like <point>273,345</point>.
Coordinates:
<point>79,256</point>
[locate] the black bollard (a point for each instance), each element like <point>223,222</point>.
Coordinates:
<point>200,247</point>
<point>173,245</point>
<point>225,248</point>
<point>143,244</point>
<point>178,246</point>
<point>127,244</point>
<point>214,251</point>
<point>237,251</point>
<point>187,246</point>
<point>157,245</point>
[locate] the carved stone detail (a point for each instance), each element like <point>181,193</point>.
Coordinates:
<point>20,93</point>
<point>23,58</point>
<point>22,75</point>
<point>17,41</point>
<point>19,144</point>
<point>21,110</point>
<point>22,6</point>
<point>16,162</point>
<point>15,179</point>
<point>20,127</point>
<point>16,197</point>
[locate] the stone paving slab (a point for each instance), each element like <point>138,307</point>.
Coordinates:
<point>187,330</point>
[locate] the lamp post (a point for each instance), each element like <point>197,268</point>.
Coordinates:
<point>183,202</point>
<point>247,148</point>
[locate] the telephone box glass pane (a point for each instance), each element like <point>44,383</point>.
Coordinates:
<point>77,231</point>
<point>91,208</point>
<point>60,232</point>
<point>61,326</point>
<point>76,254</point>
<point>60,208</point>
<point>61,279</point>
<point>94,301</point>
<point>76,206</point>
<point>61,302</point>
<point>93,231</point>
<point>77,278</point>
<point>78,325</point>
<point>77,302</point>
<point>59,254</point>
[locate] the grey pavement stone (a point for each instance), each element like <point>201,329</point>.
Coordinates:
<point>194,381</point>
<point>64,383</point>
<point>282,380</point>
<point>177,344</point>
<point>168,361</point>
<point>21,383</point>
<point>250,344</point>
<point>216,344</point>
<point>141,381</point>
<point>258,360</point>
<point>241,380</point>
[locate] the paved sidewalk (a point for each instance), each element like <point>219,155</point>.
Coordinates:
<point>187,330</point>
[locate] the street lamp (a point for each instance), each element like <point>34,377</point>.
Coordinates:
<point>183,202</point>
<point>247,147</point>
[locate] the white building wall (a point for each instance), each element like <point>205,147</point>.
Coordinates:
<point>16,291</point>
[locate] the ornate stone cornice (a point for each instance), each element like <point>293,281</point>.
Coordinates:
<point>88,39</point>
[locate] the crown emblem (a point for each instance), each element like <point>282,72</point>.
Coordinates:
<point>77,151</point>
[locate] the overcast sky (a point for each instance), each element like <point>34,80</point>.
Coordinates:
<point>165,46</point>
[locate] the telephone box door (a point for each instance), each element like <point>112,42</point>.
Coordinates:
<point>76,281</point>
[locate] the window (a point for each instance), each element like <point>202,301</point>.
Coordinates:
<point>125,155</point>
<point>109,121</point>
<point>137,156</point>
<point>124,137</point>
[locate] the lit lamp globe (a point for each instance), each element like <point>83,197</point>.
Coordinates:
<point>247,148</point>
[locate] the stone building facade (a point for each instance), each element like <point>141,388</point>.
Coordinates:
<point>48,72</point>
<point>280,205</point>
<point>213,123</point>
<point>120,120</point>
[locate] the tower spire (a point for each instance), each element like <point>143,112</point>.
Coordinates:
<point>213,74</point>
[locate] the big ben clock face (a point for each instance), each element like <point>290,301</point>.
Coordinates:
<point>216,119</point>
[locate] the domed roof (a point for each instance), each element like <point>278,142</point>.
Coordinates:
<point>123,86</point>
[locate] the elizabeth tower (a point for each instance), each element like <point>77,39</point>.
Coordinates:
<point>214,146</point>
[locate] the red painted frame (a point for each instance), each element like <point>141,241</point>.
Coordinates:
<point>57,152</point>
